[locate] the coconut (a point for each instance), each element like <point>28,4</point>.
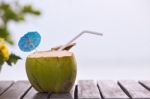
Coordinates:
<point>54,70</point>
<point>51,71</point>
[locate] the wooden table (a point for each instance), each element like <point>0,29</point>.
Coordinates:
<point>85,89</point>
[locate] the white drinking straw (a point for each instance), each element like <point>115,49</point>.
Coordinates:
<point>86,31</point>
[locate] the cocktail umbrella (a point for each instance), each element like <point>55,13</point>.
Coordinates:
<point>29,41</point>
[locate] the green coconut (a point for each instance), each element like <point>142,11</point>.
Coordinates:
<point>51,71</point>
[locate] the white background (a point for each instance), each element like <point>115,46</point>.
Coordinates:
<point>122,53</point>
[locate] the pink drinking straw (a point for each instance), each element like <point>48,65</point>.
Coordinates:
<point>83,32</point>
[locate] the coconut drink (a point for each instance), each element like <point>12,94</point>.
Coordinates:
<point>54,70</point>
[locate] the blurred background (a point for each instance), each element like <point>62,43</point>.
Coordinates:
<point>122,53</point>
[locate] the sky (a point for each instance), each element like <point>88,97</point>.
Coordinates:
<point>123,52</point>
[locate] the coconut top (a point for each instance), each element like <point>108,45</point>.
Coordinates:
<point>40,54</point>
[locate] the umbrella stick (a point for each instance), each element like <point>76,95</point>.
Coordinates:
<point>76,37</point>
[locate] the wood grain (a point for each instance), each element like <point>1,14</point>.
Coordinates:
<point>33,94</point>
<point>87,89</point>
<point>111,90</point>
<point>134,89</point>
<point>145,83</point>
<point>64,95</point>
<point>4,85</point>
<point>16,91</point>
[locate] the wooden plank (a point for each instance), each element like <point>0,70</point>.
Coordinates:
<point>111,90</point>
<point>134,89</point>
<point>16,91</point>
<point>4,85</point>
<point>146,84</point>
<point>33,94</point>
<point>61,96</point>
<point>64,95</point>
<point>87,89</point>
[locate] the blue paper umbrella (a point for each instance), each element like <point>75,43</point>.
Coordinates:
<point>29,41</point>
